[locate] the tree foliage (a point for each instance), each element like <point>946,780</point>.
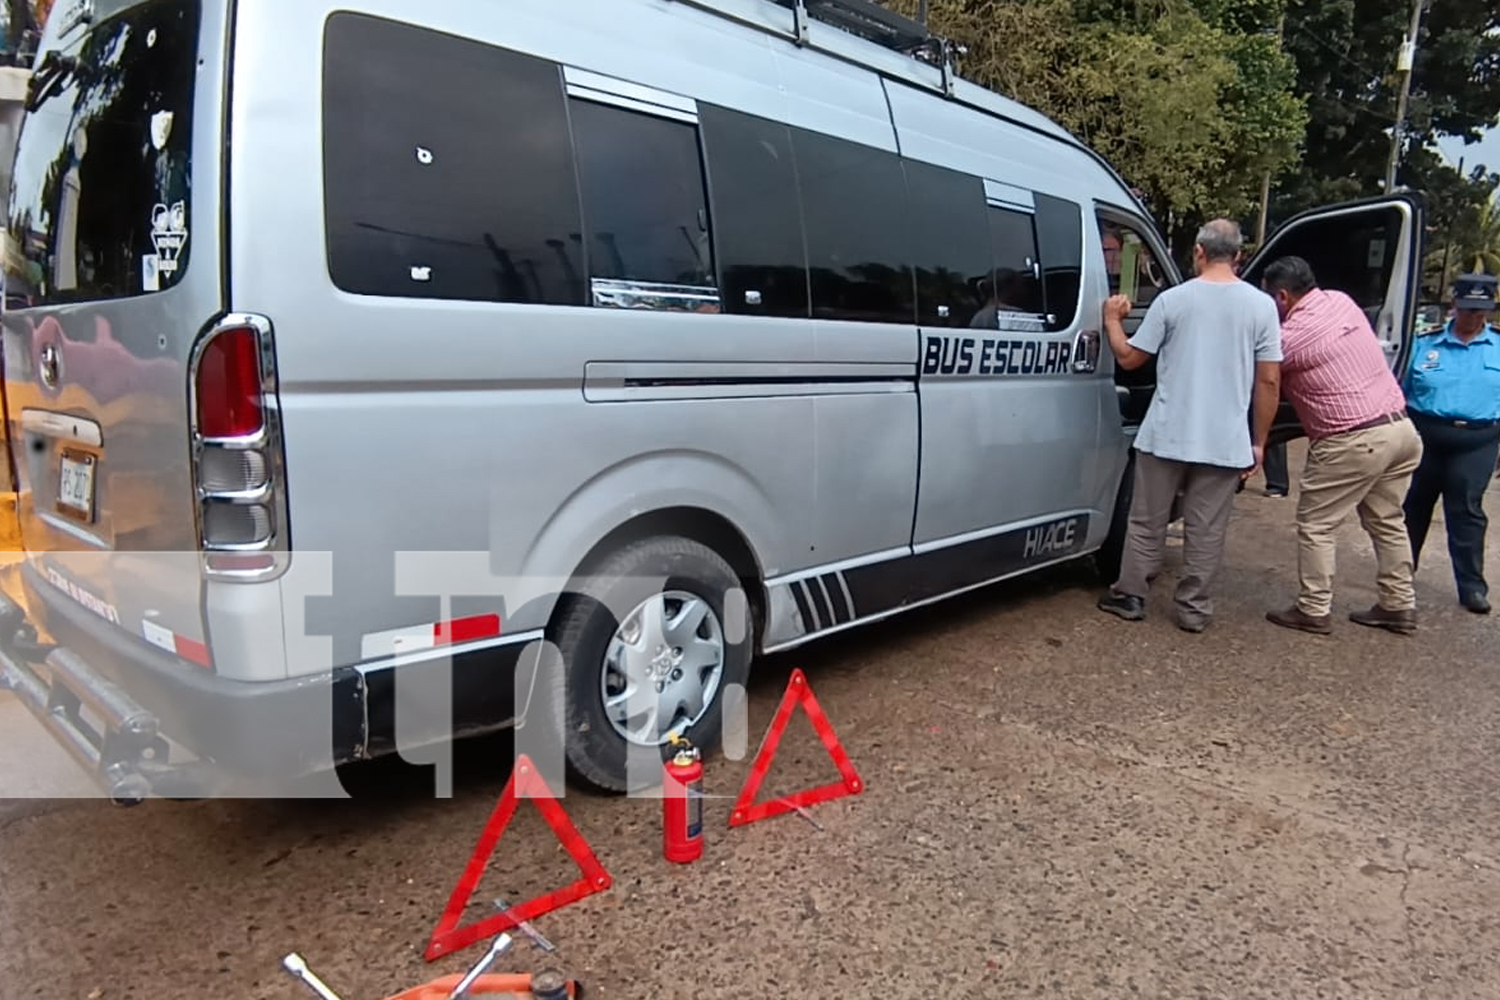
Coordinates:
<point>1192,102</point>
<point>1196,101</point>
<point>1345,53</point>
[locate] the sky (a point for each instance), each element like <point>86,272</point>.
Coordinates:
<point>1486,152</point>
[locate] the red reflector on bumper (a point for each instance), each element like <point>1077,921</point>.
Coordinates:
<point>466,630</point>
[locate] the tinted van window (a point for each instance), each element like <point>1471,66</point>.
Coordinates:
<point>950,242</point>
<point>1017,291</point>
<point>100,206</point>
<point>643,197</point>
<point>1059,237</point>
<point>854,204</point>
<point>428,191</point>
<point>756,217</point>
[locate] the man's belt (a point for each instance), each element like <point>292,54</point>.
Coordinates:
<point>1471,425</point>
<point>1385,418</point>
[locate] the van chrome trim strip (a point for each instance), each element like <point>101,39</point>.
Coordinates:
<point>628,381</point>
<point>392,661</point>
<point>612,293</point>
<point>1009,195</point>
<point>70,528</point>
<point>740,389</point>
<point>591,86</point>
<point>621,373</point>
<point>62,425</point>
<point>839,567</point>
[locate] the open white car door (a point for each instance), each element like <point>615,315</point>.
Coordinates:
<point>1371,250</point>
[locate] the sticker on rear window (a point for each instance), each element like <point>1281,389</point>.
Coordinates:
<point>161,129</point>
<point>169,234</point>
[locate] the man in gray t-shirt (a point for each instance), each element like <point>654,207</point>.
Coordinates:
<point>1217,343</point>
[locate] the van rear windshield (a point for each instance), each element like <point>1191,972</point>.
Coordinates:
<point>100,200</point>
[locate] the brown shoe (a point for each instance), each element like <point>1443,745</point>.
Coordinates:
<point>1400,622</point>
<point>1294,618</point>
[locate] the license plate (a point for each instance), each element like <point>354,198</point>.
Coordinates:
<point>75,490</point>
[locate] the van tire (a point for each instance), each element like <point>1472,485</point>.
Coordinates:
<point>1111,555</point>
<point>584,626</point>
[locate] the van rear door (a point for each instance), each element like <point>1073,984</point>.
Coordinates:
<point>112,270</point>
<point>1371,250</point>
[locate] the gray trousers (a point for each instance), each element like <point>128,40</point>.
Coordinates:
<point>1208,498</point>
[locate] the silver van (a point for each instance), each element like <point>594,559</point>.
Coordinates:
<point>381,373</point>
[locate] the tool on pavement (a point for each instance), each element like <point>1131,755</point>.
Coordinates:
<point>502,945</point>
<point>682,803</point>
<point>527,928</point>
<point>808,816</point>
<point>295,965</point>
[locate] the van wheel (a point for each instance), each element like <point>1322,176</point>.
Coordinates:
<point>651,641</point>
<point>1111,555</point>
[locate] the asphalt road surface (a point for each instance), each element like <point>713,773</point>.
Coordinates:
<point>1058,804</point>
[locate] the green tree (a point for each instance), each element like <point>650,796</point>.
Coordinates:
<point>1345,56</point>
<point>1460,213</point>
<point>1192,102</point>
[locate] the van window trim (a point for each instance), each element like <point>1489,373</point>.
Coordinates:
<point>1009,196</point>
<point>587,85</point>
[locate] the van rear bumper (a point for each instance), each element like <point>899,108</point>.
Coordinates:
<point>114,703</point>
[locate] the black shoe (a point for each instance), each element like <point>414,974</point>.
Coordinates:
<point>1278,493</point>
<point>1132,609</point>
<point>1477,603</point>
<point>1400,622</point>
<point>1295,618</point>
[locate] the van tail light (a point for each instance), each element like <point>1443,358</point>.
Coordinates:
<point>238,461</point>
<point>229,385</point>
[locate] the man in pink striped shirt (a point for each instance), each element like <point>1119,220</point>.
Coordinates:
<point>1362,453</point>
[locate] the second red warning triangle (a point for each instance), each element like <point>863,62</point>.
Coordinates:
<point>798,693</point>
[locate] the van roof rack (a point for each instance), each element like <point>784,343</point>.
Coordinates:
<point>867,19</point>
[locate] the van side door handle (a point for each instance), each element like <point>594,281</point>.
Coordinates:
<point>1086,352</point>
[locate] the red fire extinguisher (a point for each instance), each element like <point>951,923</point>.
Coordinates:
<point>682,804</point>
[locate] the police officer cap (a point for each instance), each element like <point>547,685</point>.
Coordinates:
<point>1475,291</point>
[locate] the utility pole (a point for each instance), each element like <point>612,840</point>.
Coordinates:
<point>1448,245</point>
<point>1265,184</point>
<point>1404,63</point>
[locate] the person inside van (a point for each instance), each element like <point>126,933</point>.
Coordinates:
<point>1006,293</point>
<point>1217,340</point>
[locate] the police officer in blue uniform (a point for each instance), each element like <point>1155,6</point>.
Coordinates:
<point>1453,396</point>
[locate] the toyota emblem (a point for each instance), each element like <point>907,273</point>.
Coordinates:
<point>51,366</point>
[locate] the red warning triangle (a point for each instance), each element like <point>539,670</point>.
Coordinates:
<point>524,780</point>
<point>797,693</point>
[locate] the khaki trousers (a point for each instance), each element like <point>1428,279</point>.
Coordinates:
<point>1366,471</point>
